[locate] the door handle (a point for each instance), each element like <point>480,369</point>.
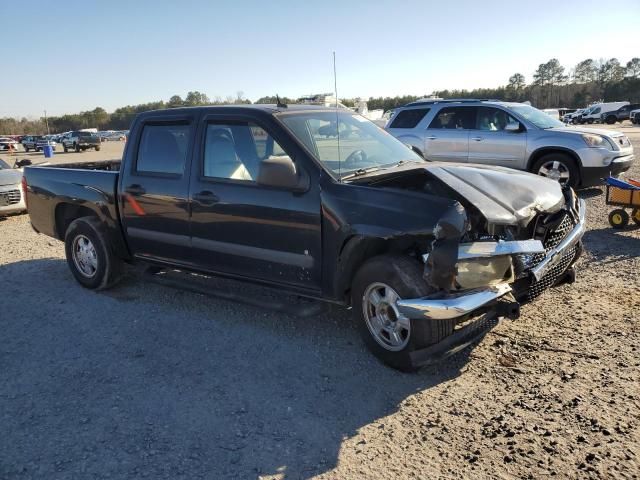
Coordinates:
<point>477,139</point>
<point>135,189</point>
<point>431,137</point>
<point>206,197</point>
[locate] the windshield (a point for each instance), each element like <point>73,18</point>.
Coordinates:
<point>348,145</point>
<point>537,117</point>
<point>3,165</point>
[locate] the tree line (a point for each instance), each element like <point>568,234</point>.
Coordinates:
<point>552,85</point>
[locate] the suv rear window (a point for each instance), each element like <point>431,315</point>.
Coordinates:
<point>84,134</point>
<point>453,118</point>
<point>409,118</point>
<point>163,148</point>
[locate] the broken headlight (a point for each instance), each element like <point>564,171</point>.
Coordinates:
<point>484,272</point>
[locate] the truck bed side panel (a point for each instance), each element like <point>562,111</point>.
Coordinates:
<point>52,188</point>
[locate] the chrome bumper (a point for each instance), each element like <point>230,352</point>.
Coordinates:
<point>452,306</point>
<point>556,254</point>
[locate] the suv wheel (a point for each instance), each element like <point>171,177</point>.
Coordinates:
<point>378,285</point>
<point>76,147</point>
<point>558,166</point>
<point>611,120</point>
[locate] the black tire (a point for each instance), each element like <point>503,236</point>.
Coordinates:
<point>635,216</point>
<point>611,120</point>
<point>66,149</point>
<point>26,149</point>
<point>565,160</point>
<point>590,121</point>
<point>97,148</point>
<point>108,267</point>
<point>76,147</point>
<point>404,275</point>
<point>618,218</point>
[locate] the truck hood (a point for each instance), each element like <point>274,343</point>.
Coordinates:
<point>10,177</point>
<point>504,196</point>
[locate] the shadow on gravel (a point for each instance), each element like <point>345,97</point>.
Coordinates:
<point>590,192</point>
<point>605,243</point>
<point>148,381</point>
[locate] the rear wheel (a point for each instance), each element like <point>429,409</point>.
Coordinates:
<point>97,148</point>
<point>26,149</point>
<point>89,257</point>
<point>391,336</point>
<point>66,149</point>
<point>635,216</point>
<point>558,166</point>
<point>618,218</point>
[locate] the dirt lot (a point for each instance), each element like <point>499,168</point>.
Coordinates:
<point>144,381</point>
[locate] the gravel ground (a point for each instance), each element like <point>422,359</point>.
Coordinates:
<point>145,381</point>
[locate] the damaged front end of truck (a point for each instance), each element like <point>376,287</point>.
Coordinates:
<point>510,236</point>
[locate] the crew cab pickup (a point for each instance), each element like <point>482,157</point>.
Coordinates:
<point>80,140</point>
<point>428,255</point>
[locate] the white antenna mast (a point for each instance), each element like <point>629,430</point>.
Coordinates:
<point>335,91</point>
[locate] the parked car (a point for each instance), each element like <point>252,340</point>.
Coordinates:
<point>511,135</point>
<point>30,142</point>
<point>11,195</point>
<point>595,112</point>
<point>40,144</point>
<point>257,193</point>
<point>618,115</point>
<point>7,143</point>
<point>80,140</point>
<point>634,116</point>
<point>573,117</point>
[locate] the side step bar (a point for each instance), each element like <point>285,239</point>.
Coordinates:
<point>181,281</point>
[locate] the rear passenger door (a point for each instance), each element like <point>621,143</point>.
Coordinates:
<point>491,144</point>
<point>154,189</point>
<point>447,137</point>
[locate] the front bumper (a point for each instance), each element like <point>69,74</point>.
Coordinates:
<point>595,175</point>
<point>8,195</point>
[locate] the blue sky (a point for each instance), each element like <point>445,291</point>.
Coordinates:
<point>75,56</point>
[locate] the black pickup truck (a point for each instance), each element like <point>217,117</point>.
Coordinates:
<point>427,255</point>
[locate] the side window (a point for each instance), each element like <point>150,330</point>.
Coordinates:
<point>493,119</point>
<point>455,118</point>
<point>234,150</point>
<point>597,110</point>
<point>409,118</point>
<point>163,148</point>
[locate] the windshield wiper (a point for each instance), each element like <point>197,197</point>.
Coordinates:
<point>359,172</point>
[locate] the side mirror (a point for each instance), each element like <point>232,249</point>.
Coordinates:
<point>22,163</point>
<point>513,127</point>
<point>281,172</point>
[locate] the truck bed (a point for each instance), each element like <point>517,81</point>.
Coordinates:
<point>54,189</point>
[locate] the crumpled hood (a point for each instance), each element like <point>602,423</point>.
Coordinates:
<point>10,177</point>
<point>504,196</point>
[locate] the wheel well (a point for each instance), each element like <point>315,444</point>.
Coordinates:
<point>357,249</point>
<point>67,213</point>
<point>545,151</point>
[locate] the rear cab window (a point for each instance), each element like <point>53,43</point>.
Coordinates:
<point>409,118</point>
<point>455,118</point>
<point>163,148</point>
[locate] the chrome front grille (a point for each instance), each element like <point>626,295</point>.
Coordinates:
<point>552,240</point>
<point>9,198</point>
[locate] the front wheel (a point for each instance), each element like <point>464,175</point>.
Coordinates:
<point>66,149</point>
<point>89,257</point>
<point>97,148</point>
<point>391,336</point>
<point>77,147</point>
<point>558,166</point>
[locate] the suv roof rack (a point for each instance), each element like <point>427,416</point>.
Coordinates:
<point>449,100</point>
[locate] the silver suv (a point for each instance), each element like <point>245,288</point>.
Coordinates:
<point>512,135</point>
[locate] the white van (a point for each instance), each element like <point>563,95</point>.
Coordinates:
<point>597,109</point>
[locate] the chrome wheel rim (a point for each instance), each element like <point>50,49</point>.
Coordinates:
<point>390,329</point>
<point>555,170</point>
<point>84,256</point>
